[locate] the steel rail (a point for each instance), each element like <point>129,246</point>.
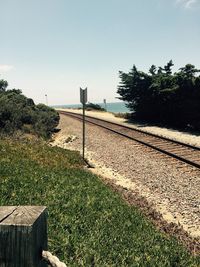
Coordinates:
<point>79,117</point>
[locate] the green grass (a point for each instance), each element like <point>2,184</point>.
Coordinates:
<point>88,224</point>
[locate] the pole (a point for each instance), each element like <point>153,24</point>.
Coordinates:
<point>83,100</point>
<point>46,100</point>
<point>84,130</point>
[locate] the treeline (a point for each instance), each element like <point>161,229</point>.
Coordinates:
<point>19,113</point>
<point>161,96</point>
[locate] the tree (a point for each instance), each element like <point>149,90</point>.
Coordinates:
<point>189,71</point>
<point>161,96</point>
<point>167,67</point>
<point>3,85</point>
<point>133,89</point>
<point>152,70</point>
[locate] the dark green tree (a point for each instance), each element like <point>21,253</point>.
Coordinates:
<point>168,67</point>
<point>162,96</point>
<point>189,71</point>
<point>3,85</point>
<point>152,70</point>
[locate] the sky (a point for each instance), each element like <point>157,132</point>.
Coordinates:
<point>54,47</point>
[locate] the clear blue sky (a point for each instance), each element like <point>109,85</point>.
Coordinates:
<point>55,46</point>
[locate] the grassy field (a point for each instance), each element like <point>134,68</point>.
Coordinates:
<point>88,224</point>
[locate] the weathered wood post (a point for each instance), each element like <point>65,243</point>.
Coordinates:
<point>23,236</point>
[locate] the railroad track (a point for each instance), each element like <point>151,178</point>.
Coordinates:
<point>184,152</point>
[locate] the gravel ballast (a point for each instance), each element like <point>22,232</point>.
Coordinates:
<point>171,189</point>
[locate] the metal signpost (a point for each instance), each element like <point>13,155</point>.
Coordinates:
<point>83,100</point>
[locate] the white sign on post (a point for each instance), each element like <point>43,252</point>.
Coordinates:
<point>83,95</point>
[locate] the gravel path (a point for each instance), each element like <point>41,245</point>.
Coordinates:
<point>172,191</point>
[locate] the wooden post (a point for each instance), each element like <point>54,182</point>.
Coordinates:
<point>23,236</point>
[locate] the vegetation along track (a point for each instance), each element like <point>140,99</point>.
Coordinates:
<point>184,152</point>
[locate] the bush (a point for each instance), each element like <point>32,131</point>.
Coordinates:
<point>46,120</point>
<point>91,106</point>
<point>17,112</point>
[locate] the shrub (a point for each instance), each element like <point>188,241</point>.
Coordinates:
<point>46,120</point>
<point>91,106</point>
<point>17,112</point>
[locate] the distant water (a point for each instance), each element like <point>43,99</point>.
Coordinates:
<point>115,107</point>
